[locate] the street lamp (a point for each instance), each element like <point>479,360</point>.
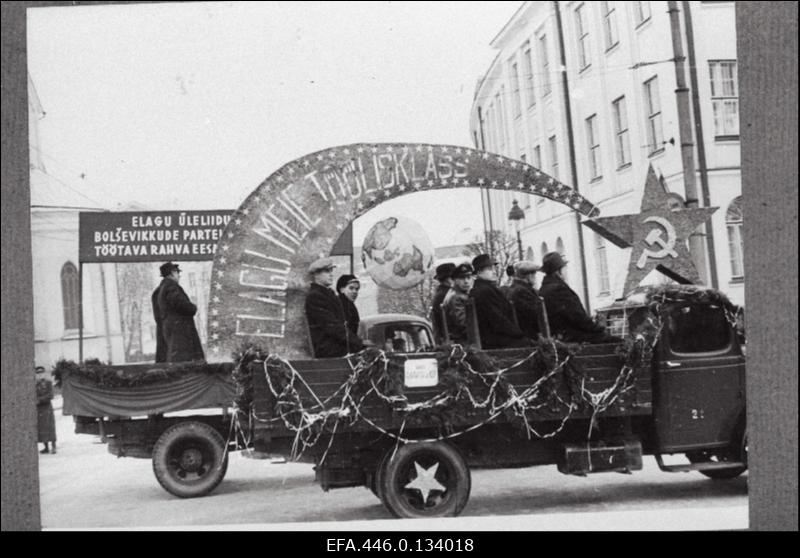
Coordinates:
<point>516,215</point>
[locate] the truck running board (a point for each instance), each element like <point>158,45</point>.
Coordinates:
<point>708,466</point>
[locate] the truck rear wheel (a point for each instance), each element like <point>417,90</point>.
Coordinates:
<point>426,479</point>
<point>189,459</point>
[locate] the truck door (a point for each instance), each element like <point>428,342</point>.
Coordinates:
<point>699,386</point>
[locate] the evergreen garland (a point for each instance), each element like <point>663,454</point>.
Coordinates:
<point>109,376</point>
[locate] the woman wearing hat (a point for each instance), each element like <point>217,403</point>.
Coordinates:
<point>348,286</point>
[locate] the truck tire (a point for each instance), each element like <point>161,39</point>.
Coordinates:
<point>426,479</point>
<point>189,459</point>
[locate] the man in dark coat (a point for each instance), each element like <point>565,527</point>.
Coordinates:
<point>568,320</point>
<point>527,302</point>
<point>443,272</point>
<point>177,318</point>
<point>325,315</point>
<point>495,323</point>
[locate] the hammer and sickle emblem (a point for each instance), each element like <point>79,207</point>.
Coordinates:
<point>654,237</point>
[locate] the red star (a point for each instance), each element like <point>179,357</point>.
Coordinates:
<point>657,234</point>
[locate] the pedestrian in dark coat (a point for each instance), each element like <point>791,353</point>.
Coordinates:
<point>443,272</point>
<point>177,315</point>
<point>495,323</point>
<point>45,417</point>
<point>327,326</point>
<point>568,319</point>
<point>527,303</point>
<point>161,343</point>
<point>348,286</point>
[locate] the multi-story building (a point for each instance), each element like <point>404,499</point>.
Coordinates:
<point>620,69</point>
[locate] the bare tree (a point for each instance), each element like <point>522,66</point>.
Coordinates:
<point>503,248</point>
<point>134,287</point>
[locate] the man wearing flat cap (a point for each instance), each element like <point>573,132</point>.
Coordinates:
<point>174,314</point>
<point>455,303</point>
<point>495,323</point>
<point>325,315</point>
<point>443,272</point>
<point>568,319</point>
<point>527,302</point>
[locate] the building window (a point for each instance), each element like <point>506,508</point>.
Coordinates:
<point>641,12</point>
<point>544,65</point>
<point>582,32</point>
<point>544,249</point>
<point>537,156</point>
<point>529,254</point>
<point>593,144</point>
<point>501,121</point>
<point>70,296</point>
<point>623,143</point>
<point>652,102</point>
<point>602,264</point>
<point>517,99</point>
<point>528,58</point>
<point>610,23</point>
<point>552,153</point>
<point>733,222</point>
<point>725,97</point>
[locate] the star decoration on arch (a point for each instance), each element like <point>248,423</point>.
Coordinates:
<point>657,234</point>
<point>425,481</point>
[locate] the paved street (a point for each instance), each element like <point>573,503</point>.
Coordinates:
<point>83,486</point>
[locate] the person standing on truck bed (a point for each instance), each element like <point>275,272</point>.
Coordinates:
<point>455,303</point>
<point>325,315</point>
<point>177,317</point>
<point>568,320</point>
<point>161,343</point>
<point>495,323</point>
<point>443,272</point>
<point>348,286</point>
<point>527,302</point>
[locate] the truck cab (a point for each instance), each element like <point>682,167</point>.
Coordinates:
<point>698,373</point>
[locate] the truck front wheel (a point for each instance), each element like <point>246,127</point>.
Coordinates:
<point>425,479</point>
<point>189,459</point>
<point>736,453</point>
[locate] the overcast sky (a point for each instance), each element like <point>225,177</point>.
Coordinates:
<point>191,106</point>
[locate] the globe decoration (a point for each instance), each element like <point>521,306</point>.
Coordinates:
<point>397,253</point>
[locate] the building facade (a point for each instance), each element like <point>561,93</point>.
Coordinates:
<point>623,114</point>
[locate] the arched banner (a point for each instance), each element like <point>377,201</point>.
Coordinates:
<point>296,215</point>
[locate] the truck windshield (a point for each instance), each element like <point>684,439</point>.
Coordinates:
<point>407,338</point>
<point>694,329</point>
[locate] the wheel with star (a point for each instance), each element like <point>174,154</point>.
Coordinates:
<point>189,459</point>
<point>424,479</point>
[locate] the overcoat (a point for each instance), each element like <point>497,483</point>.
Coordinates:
<point>568,319</point>
<point>326,324</point>
<point>495,322</point>
<point>455,311</point>
<point>528,306</point>
<point>161,344</point>
<point>177,315</point>
<point>351,316</point>
<point>46,419</point>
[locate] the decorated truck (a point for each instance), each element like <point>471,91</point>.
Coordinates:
<point>410,426</point>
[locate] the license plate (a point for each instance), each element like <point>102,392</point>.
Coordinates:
<point>422,372</point>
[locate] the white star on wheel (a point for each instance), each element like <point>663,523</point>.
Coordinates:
<point>220,273</point>
<point>426,481</point>
<point>223,259</point>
